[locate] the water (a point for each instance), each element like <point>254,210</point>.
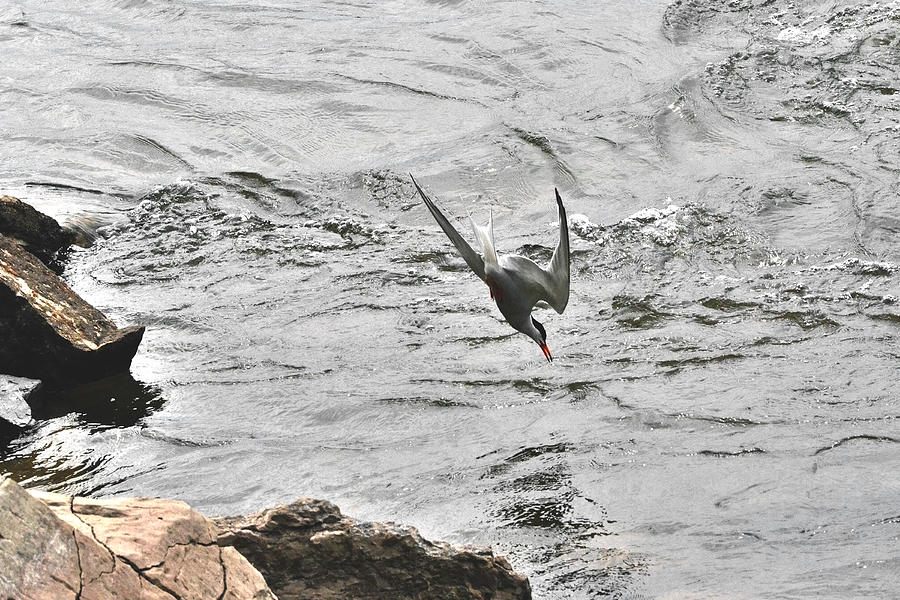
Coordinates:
<point>722,416</point>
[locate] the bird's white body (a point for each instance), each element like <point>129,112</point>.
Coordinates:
<point>517,283</point>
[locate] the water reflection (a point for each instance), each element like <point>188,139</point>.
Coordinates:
<point>8,432</point>
<point>117,401</point>
<point>73,432</point>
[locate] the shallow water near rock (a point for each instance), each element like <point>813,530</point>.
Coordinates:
<point>721,419</point>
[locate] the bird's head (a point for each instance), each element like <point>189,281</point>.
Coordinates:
<point>539,335</point>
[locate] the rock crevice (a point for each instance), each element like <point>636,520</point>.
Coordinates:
<point>48,551</point>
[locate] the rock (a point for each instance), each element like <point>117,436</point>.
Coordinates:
<point>41,235</point>
<point>48,332</point>
<point>59,547</point>
<point>15,414</point>
<point>56,547</point>
<point>309,550</point>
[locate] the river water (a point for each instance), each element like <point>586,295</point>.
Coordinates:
<point>722,419</point>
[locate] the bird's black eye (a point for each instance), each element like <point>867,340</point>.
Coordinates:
<point>540,328</point>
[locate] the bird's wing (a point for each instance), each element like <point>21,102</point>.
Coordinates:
<point>551,284</point>
<point>475,262</point>
<point>558,268</point>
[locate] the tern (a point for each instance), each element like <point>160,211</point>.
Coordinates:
<point>516,283</point>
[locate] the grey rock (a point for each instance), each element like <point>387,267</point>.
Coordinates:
<point>39,234</point>
<point>309,550</point>
<point>50,333</point>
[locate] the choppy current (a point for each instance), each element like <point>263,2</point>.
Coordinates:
<point>722,419</point>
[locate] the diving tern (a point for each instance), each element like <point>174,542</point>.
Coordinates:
<point>516,283</point>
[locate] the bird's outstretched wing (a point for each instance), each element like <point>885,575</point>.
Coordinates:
<point>549,284</point>
<point>475,262</point>
<point>558,269</point>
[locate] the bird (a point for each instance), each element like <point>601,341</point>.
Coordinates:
<point>516,283</point>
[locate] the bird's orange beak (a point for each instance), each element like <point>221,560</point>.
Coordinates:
<point>546,352</point>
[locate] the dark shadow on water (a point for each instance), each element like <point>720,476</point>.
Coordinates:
<point>33,459</point>
<point>118,401</point>
<point>8,432</point>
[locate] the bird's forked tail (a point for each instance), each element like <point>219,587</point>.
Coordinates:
<point>485,236</point>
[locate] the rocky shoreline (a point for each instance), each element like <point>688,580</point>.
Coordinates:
<point>54,546</point>
<point>58,547</point>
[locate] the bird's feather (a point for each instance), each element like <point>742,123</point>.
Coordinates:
<point>485,237</point>
<point>558,269</point>
<point>550,284</point>
<point>534,283</point>
<point>475,262</point>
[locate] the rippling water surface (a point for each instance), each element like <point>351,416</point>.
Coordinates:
<point>722,416</point>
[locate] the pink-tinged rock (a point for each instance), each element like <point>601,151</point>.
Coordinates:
<point>38,554</point>
<point>55,547</point>
<point>144,531</point>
